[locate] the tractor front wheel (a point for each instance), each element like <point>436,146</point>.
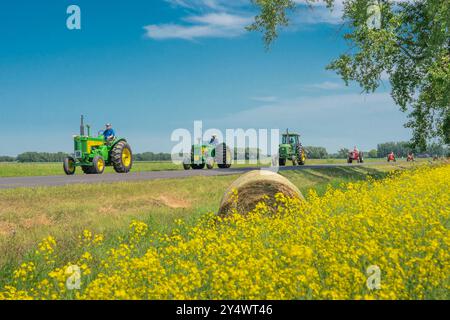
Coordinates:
<point>187,163</point>
<point>361,157</point>
<point>186,166</point>
<point>210,163</point>
<point>122,157</point>
<point>69,166</point>
<point>282,162</point>
<point>302,160</point>
<point>99,165</point>
<point>294,161</point>
<point>198,166</point>
<point>301,156</point>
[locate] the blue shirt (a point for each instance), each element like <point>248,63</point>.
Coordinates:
<point>109,133</point>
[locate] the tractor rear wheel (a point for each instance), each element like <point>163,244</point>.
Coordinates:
<point>122,157</point>
<point>223,156</point>
<point>301,157</point>
<point>99,165</point>
<point>69,166</point>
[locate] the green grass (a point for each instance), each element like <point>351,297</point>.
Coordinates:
<point>15,169</point>
<point>27,215</point>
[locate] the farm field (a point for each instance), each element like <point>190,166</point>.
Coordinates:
<point>157,228</point>
<point>14,169</point>
<point>29,214</point>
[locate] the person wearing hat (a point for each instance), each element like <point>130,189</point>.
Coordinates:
<point>109,133</point>
<point>214,141</point>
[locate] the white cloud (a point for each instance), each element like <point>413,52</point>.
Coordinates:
<point>326,85</point>
<point>222,5</point>
<point>265,99</point>
<point>209,25</point>
<point>317,12</point>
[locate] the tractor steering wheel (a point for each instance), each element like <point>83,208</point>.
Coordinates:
<point>100,132</point>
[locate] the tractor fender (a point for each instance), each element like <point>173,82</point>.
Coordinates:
<point>117,141</point>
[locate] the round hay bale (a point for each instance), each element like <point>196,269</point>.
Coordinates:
<point>254,187</point>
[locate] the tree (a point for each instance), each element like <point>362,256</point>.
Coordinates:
<point>373,154</point>
<point>41,157</point>
<point>401,149</point>
<point>342,153</point>
<point>316,152</point>
<point>7,159</point>
<point>150,156</point>
<point>411,46</point>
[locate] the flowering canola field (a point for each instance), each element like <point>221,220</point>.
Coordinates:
<point>393,233</point>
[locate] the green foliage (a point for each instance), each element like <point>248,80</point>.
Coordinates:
<point>150,156</point>
<point>41,157</point>
<point>316,152</point>
<point>341,154</point>
<point>411,47</point>
<point>7,159</point>
<point>402,148</point>
<point>373,154</point>
<point>273,14</point>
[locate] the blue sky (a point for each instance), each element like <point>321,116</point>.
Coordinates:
<point>150,67</point>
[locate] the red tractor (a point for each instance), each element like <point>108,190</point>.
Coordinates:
<point>410,157</point>
<point>391,157</point>
<point>355,155</point>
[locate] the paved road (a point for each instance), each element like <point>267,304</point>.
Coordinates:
<point>10,183</point>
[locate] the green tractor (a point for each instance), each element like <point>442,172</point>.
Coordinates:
<point>206,154</point>
<point>291,149</point>
<point>93,154</point>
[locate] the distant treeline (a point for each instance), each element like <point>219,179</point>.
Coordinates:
<point>59,157</point>
<point>401,149</point>
<point>41,157</point>
<point>150,156</point>
<point>7,159</point>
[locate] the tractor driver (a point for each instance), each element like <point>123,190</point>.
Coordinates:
<point>214,141</point>
<point>109,133</point>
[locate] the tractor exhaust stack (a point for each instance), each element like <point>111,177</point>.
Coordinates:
<point>82,126</point>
